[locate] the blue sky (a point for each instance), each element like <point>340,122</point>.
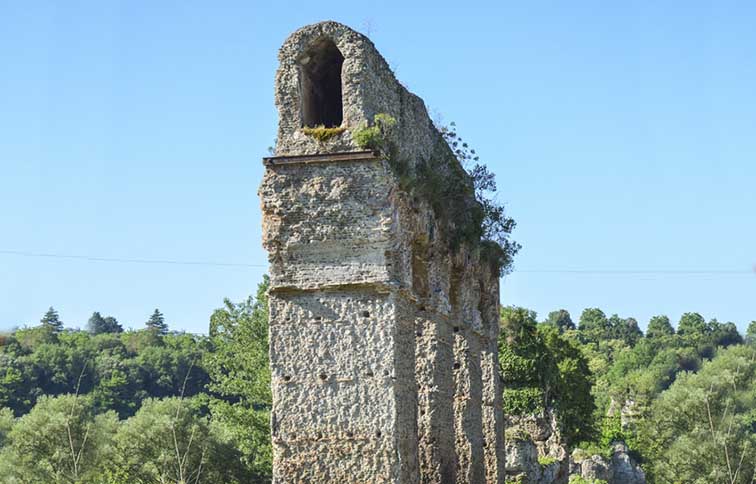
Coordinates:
<point>622,135</point>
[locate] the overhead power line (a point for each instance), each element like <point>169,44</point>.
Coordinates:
<point>638,271</point>
<point>130,260</point>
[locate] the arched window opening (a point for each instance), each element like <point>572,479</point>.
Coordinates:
<point>320,84</point>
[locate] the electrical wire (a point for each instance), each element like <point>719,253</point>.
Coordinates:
<point>90,258</point>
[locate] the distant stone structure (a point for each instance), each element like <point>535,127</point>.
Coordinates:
<point>383,328</point>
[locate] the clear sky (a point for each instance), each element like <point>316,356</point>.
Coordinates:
<point>623,136</point>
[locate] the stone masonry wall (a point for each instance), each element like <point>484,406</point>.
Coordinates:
<point>383,339</point>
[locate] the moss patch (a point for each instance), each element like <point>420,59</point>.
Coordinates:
<point>546,460</point>
<point>323,134</point>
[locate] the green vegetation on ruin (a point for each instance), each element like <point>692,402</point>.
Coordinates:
<point>321,133</point>
<point>575,479</point>
<point>546,460</point>
<point>459,188</point>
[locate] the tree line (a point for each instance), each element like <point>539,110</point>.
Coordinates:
<point>683,399</point>
<point>109,406</point>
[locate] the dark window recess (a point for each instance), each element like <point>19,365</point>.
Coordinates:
<point>320,84</point>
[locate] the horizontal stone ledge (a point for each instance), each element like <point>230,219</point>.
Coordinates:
<point>321,158</point>
<point>380,287</point>
<point>371,437</point>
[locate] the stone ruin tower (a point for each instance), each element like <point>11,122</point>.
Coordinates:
<point>383,319</point>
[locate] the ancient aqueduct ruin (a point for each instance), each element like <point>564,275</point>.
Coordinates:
<point>383,335</point>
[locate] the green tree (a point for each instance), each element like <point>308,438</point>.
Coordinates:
<point>561,319</point>
<point>724,334</point>
<point>494,227</point>
<point>59,441</point>
<point>571,395</point>
<point>7,421</point>
<point>28,339</point>
<point>528,369</point>
<point>51,321</point>
<point>659,327</point>
<point>137,341</point>
<point>594,325</point>
<point>170,441</point>
<point>542,369</point>
<point>96,323</point>
<point>168,369</point>
<point>240,376</point>
<point>18,383</point>
<point>112,325</point>
<point>156,323</point>
<point>692,324</point>
<point>751,333</point>
<point>518,324</point>
<point>701,430</point>
<point>99,325</point>
<point>593,319</point>
<point>60,367</point>
<point>625,329</point>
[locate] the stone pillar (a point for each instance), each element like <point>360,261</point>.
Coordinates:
<point>342,337</point>
<point>382,335</point>
<point>435,381</point>
<point>493,417</point>
<point>468,406</point>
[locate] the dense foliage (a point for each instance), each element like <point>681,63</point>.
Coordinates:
<point>683,399</point>
<point>117,370</point>
<point>542,369</point>
<point>104,406</point>
<point>108,406</point>
<point>703,428</point>
<point>240,376</point>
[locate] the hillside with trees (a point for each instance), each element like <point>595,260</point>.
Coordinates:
<point>109,406</point>
<point>682,399</point>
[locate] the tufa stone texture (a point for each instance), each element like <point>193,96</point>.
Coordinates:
<point>383,334</point>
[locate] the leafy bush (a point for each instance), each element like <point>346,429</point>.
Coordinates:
<point>524,401</point>
<point>377,136</point>
<point>540,369</point>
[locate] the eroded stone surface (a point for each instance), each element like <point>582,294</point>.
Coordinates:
<point>383,334</point>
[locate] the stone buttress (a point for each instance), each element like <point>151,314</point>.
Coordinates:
<point>383,337</point>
